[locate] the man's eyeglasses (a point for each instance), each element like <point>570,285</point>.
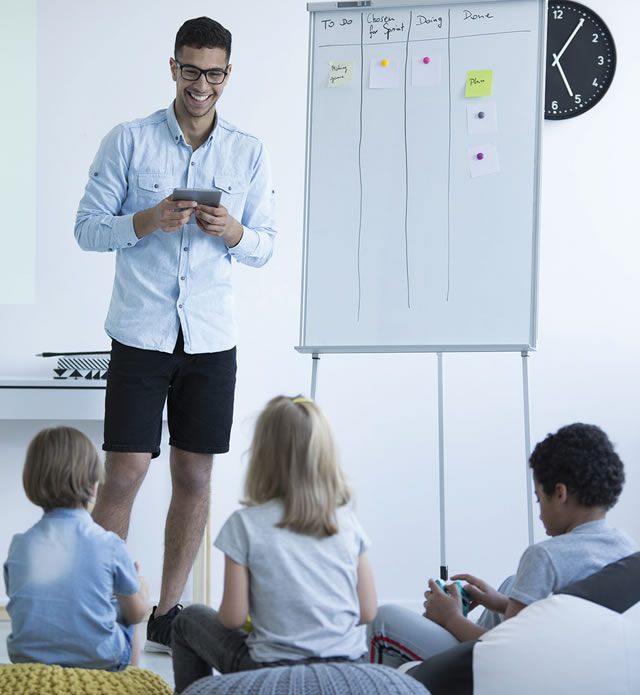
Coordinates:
<point>191,73</point>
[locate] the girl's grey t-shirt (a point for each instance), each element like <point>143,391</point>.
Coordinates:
<point>303,598</point>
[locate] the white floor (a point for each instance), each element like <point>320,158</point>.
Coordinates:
<point>158,663</point>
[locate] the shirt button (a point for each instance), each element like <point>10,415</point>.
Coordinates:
<point>179,306</point>
<point>182,277</point>
<point>95,173</point>
<point>129,243</point>
<point>110,249</point>
<point>155,185</point>
<point>186,248</point>
<point>192,163</point>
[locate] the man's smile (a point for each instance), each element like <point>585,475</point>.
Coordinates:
<point>199,98</point>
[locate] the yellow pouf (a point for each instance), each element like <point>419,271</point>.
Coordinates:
<point>41,679</point>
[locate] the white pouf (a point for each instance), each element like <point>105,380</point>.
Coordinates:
<point>585,639</point>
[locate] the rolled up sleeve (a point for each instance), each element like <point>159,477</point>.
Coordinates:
<point>99,223</point>
<point>258,219</point>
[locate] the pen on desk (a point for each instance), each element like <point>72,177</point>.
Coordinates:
<point>67,354</point>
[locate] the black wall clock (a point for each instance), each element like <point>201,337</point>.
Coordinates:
<point>581,60</point>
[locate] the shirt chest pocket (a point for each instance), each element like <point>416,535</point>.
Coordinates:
<point>152,188</point>
<point>234,193</point>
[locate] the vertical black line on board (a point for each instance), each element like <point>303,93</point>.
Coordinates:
<point>406,165</point>
<point>360,155</point>
<point>449,162</point>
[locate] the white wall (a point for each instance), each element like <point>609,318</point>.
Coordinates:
<point>101,63</point>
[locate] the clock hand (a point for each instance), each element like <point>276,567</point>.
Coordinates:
<point>564,77</point>
<point>569,40</point>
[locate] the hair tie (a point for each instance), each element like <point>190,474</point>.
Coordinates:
<point>301,399</point>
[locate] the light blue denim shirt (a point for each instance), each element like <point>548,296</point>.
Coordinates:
<point>60,576</point>
<point>165,280</point>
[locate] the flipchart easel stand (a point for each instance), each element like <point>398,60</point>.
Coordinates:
<point>444,570</point>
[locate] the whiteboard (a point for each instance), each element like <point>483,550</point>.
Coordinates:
<point>421,197</point>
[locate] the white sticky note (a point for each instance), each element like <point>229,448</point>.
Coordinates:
<point>384,76</point>
<point>426,74</point>
<point>482,117</point>
<point>340,73</point>
<point>483,160</point>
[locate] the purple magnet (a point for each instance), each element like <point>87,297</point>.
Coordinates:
<point>426,60</point>
<point>480,155</point>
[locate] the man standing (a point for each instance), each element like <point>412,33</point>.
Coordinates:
<point>170,317</point>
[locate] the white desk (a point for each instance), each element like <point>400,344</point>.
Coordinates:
<point>80,399</point>
<point>47,399</point>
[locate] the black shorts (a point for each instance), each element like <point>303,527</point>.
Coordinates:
<point>198,389</point>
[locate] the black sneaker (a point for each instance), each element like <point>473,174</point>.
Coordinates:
<point>159,630</point>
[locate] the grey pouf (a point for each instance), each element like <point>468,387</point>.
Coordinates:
<point>330,678</point>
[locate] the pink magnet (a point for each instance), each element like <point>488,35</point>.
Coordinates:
<point>480,155</point>
<point>426,60</point>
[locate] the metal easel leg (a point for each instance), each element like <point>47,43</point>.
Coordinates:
<point>444,570</point>
<point>315,361</point>
<point>527,442</point>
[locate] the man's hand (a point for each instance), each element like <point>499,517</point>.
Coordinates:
<point>218,222</point>
<point>171,215</point>
<point>168,215</point>
<point>440,606</point>
<point>482,594</point>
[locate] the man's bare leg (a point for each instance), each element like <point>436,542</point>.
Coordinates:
<point>124,473</point>
<point>186,520</point>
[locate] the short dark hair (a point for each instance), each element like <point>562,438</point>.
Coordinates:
<point>61,469</point>
<point>583,458</point>
<point>203,32</point>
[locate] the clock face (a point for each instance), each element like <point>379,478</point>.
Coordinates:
<point>581,60</point>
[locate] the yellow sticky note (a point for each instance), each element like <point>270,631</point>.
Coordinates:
<point>479,83</point>
<point>340,73</point>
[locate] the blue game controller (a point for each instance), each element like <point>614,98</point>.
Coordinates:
<point>466,601</point>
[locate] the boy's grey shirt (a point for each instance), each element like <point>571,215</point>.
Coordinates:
<point>558,561</point>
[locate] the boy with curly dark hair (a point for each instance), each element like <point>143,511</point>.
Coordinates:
<point>578,477</point>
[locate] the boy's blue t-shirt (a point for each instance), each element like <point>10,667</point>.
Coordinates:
<point>60,577</point>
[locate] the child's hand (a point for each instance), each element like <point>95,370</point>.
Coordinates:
<point>440,606</point>
<point>144,587</point>
<point>135,607</point>
<point>482,594</point>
